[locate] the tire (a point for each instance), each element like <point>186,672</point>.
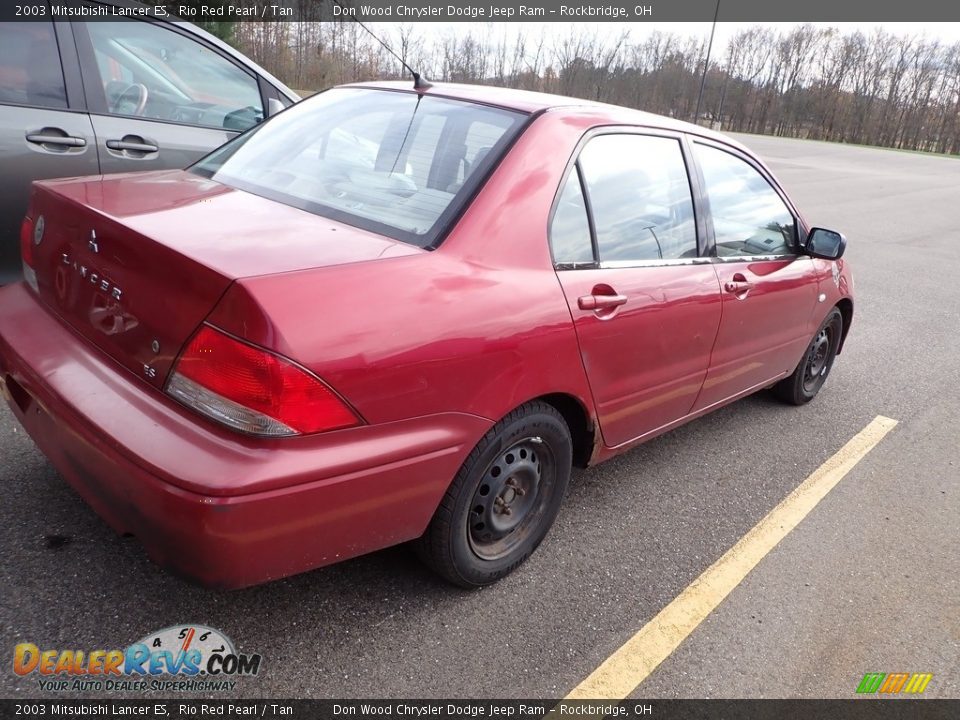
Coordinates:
<point>803,385</point>
<point>503,499</point>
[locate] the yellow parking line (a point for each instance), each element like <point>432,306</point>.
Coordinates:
<point>623,671</point>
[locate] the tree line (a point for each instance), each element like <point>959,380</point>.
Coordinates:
<point>874,88</point>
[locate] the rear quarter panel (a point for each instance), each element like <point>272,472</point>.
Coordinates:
<point>478,326</point>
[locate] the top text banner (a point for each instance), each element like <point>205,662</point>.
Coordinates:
<point>651,11</point>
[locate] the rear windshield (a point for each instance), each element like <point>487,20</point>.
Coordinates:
<point>397,163</point>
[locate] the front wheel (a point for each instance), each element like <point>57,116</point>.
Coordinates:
<point>503,500</point>
<point>810,375</point>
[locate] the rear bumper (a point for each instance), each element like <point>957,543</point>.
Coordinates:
<point>225,510</point>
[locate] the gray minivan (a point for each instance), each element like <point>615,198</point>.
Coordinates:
<point>104,96</point>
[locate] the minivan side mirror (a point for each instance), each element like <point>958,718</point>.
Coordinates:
<point>826,244</point>
<point>274,106</point>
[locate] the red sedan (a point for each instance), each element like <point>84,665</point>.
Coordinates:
<point>391,314</point>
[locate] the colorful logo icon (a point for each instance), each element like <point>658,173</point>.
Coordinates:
<point>894,683</point>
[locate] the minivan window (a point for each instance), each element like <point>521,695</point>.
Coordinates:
<point>30,72</point>
<point>153,72</point>
<point>397,163</point>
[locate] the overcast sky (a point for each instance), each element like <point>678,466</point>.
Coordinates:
<point>947,32</point>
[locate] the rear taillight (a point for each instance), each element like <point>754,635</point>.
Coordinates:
<point>27,241</point>
<point>252,390</point>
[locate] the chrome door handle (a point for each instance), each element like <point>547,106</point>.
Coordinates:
<point>738,287</point>
<point>600,302</point>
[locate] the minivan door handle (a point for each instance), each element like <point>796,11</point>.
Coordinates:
<point>132,143</point>
<point>45,137</point>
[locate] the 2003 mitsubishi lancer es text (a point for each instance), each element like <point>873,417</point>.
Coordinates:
<point>393,313</point>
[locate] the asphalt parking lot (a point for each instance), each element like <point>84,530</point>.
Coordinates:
<point>868,582</point>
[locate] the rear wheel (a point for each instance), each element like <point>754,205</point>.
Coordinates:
<point>810,375</point>
<point>503,500</point>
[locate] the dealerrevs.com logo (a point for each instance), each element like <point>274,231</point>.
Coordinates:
<point>180,658</point>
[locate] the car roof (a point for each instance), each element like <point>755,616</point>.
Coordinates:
<point>528,101</point>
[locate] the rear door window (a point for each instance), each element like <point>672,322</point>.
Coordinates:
<point>570,228</point>
<point>640,198</point>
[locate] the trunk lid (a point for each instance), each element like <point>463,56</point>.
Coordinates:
<point>135,263</point>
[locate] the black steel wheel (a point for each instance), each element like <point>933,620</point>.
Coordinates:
<point>508,501</point>
<point>503,500</point>
<point>811,373</point>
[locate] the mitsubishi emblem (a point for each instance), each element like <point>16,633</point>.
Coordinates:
<point>92,244</point>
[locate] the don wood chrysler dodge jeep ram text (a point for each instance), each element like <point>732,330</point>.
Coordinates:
<point>392,314</point>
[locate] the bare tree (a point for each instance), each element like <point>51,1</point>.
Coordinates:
<point>882,88</point>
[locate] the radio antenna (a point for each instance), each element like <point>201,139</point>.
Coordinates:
<point>419,82</point>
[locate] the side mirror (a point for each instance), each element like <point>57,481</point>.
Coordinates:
<point>826,244</point>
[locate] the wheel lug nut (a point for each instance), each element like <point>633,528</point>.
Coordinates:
<point>507,511</point>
